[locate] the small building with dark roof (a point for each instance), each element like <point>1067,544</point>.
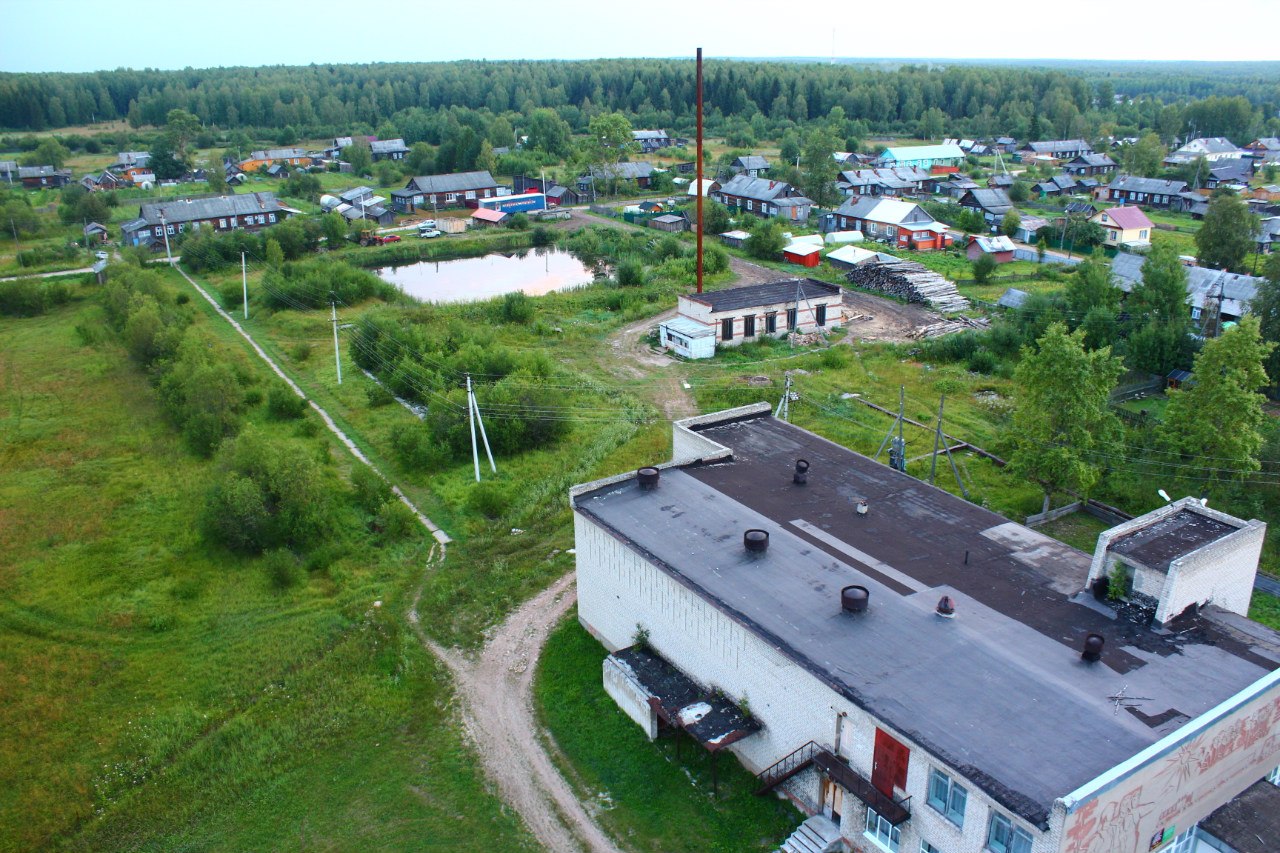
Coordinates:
<point>436,192</point>
<point>40,177</point>
<point>740,314</point>
<point>155,220</point>
<point>752,165</point>
<point>993,204</point>
<point>1147,192</point>
<point>388,149</point>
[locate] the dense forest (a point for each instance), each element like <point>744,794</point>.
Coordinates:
<point>743,98</point>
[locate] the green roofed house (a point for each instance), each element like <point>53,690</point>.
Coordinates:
<point>935,159</point>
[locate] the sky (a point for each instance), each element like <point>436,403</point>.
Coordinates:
<point>86,35</point>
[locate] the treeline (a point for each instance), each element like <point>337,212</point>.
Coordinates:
<point>318,100</point>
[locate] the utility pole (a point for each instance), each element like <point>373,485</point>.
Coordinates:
<point>337,353</point>
<point>473,406</point>
<point>898,447</point>
<point>244,277</point>
<point>783,409</point>
<point>164,228</point>
<point>471,422</point>
<point>698,177</point>
<point>937,437</point>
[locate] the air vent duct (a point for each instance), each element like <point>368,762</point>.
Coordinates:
<point>854,598</point>
<point>648,478</point>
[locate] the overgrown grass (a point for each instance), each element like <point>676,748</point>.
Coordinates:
<point>1265,609</point>
<point>1079,530</point>
<point>162,694</point>
<point>645,794</point>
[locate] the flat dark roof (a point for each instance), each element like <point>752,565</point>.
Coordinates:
<point>999,693</point>
<point>1170,538</point>
<point>769,293</point>
<point>1251,822</point>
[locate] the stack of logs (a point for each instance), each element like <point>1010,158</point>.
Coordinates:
<point>910,281</point>
<point>946,327</point>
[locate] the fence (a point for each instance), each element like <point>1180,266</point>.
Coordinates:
<point>1140,384</point>
<point>1103,512</point>
<point>1049,257</point>
<point>602,209</point>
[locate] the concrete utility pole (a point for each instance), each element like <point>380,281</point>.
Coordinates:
<point>698,177</point>
<point>164,229</point>
<point>244,277</point>
<point>783,409</point>
<point>337,353</point>
<point>473,414</point>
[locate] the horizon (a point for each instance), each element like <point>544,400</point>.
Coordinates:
<point>164,37</point>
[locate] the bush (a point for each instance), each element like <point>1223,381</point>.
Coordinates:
<point>631,273</point>
<point>516,308</point>
<point>31,297</point>
<point>543,236</point>
<point>490,499</point>
<point>368,490</point>
<point>394,520</point>
<point>983,267</point>
<point>283,404</point>
<point>416,450</point>
<point>301,351</point>
<point>378,396</point>
<point>983,360</point>
<point>283,568</point>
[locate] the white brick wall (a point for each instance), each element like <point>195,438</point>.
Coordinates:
<point>617,588</point>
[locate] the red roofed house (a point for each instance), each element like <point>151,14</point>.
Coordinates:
<point>484,216</point>
<point>1124,226</point>
<point>804,254</point>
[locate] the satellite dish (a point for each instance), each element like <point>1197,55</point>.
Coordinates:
<point>1162,493</point>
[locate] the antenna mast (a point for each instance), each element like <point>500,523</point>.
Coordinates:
<point>699,178</point>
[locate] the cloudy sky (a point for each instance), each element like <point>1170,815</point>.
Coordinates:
<point>85,35</point>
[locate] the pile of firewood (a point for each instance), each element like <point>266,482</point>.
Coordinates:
<point>910,281</point>
<point>946,327</point>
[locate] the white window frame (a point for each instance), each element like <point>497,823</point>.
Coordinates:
<point>926,847</point>
<point>881,833</point>
<point>450,198</point>
<point>1274,776</point>
<point>222,223</point>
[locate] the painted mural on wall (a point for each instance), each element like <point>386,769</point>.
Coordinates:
<point>1145,810</point>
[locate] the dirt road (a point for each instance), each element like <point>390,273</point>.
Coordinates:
<point>872,318</point>
<point>495,690</point>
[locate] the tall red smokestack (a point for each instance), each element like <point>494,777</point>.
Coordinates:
<point>699,196</point>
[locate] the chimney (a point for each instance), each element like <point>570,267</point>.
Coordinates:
<point>801,476</point>
<point>854,598</point>
<point>756,541</point>
<point>648,478</point>
<point>1093,648</point>
<point>946,607</point>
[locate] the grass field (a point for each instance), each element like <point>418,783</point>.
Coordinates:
<point>163,694</point>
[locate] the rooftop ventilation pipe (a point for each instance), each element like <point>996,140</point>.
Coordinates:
<point>946,607</point>
<point>756,541</point>
<point>648,478</point>
<point>854,598</point>
<point>1093,648</point>
<point>801,476</point>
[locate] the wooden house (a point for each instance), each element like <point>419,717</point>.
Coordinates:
<point>40,177</point>
<point>669,222</point>
<point>156,220</point>
<point>993,204</point>
<point>1147,192</point>
<point>1090,164</point>
<point>95,232</point>
<point>1124,226</point>
<point>1054,149</point>
<point>752,165</point>
<point>269,156</point>
<point>900,223</point>
<point>935,159</point>
<point>648,141</point>
<point>763,197</point>
<point>436,192</point>
<point>388,149</point>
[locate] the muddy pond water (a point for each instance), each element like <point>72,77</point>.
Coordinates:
<point>534,271</point>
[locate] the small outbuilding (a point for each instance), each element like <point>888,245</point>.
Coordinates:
<point>803,254</point>
<point>669,222</point>
<point>484,217</point>
<point>1000,248</point>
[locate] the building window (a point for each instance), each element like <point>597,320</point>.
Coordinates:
<point>726,329</point>
<point>751,205</point>
<point>450,198</point>
<point>272,217</point>
<point>222,223</point>
<point>947,796</point>
<point>882,832</point>
<point>1274,776</point>
<point>820,315</point>
<point>791,318</point>
<point>749,326</point>
<point>1142,235</point>
<point>1185,843</point>
<point>926,847</point>
<point>1004,837</point>
<point>771,327</point>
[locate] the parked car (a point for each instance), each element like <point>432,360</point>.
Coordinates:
<point>426,225</point>
<point>102,256</point>
<point>431,233</point>
<point>391,238</point>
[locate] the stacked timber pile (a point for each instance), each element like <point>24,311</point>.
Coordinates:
<point>946,327</point>
<point>910,281</point>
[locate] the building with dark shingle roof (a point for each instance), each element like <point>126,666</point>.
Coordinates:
<point>36,177</point>
<point>763,197</point>
<point>993,204</point>
<point>251,212</point>
<point>388,149</point>
<point>1148,192</point>
<point>774,309</point>
<point>1057,149</point>
<point>434,192</point>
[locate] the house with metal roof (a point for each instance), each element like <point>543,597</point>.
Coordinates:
<point>650,140</point>
<point>892,181</point>
<point>739,315</point>
<point>1054,149</point>
<point>1148,192</point>
<point>1124,226</point>
<point>1090,164</point>
<point>763,197</point>
<point>436,192</point>
<point>39,177</point>
<point>936,159</point>
<point>921,673</point>
<point>276,156</point>
<point>1216,291</point>
<point>1212,148</point>
<point>8,170</point>
<point>752,165</point>
<point>388,149</point>
<point>904,224</point>
<point>612,173</point>
<point>999,247</point>
<point>993,204</point>
<point>1056,186</point>
<point>156,220</point>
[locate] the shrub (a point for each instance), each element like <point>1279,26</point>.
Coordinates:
<point>378,396</point>
<point>490,499</point>
<point>394,520</point>
<point>301,351</point>
<point>368,490</point>
<point>543,236</point>
<point>983,267</point>
<point>283,404</point>
<point>516,308</point>
<point>982,360</point>
<point>283,568</point>
<point>417,450</point>
<point>631,273</point>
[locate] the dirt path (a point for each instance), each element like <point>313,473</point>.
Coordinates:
<point>872,318</point>
<point>495,690</point>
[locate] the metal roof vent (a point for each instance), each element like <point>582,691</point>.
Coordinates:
<point>946,607</point>
<point>861,507</point>
<point>801,476</point>
<point>756,541</point>
<point>1093,648</point>
<point>648,478</point>
<point>854,598</point>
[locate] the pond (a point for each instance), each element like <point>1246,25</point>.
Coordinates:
<point>535,271</point>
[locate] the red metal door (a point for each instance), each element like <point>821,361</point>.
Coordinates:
<point>889,764</point>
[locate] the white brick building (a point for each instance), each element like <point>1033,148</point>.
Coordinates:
<point>737,315</point>
<point>914,732</point>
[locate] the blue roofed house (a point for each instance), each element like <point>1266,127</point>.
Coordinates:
<point>936,159</point>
